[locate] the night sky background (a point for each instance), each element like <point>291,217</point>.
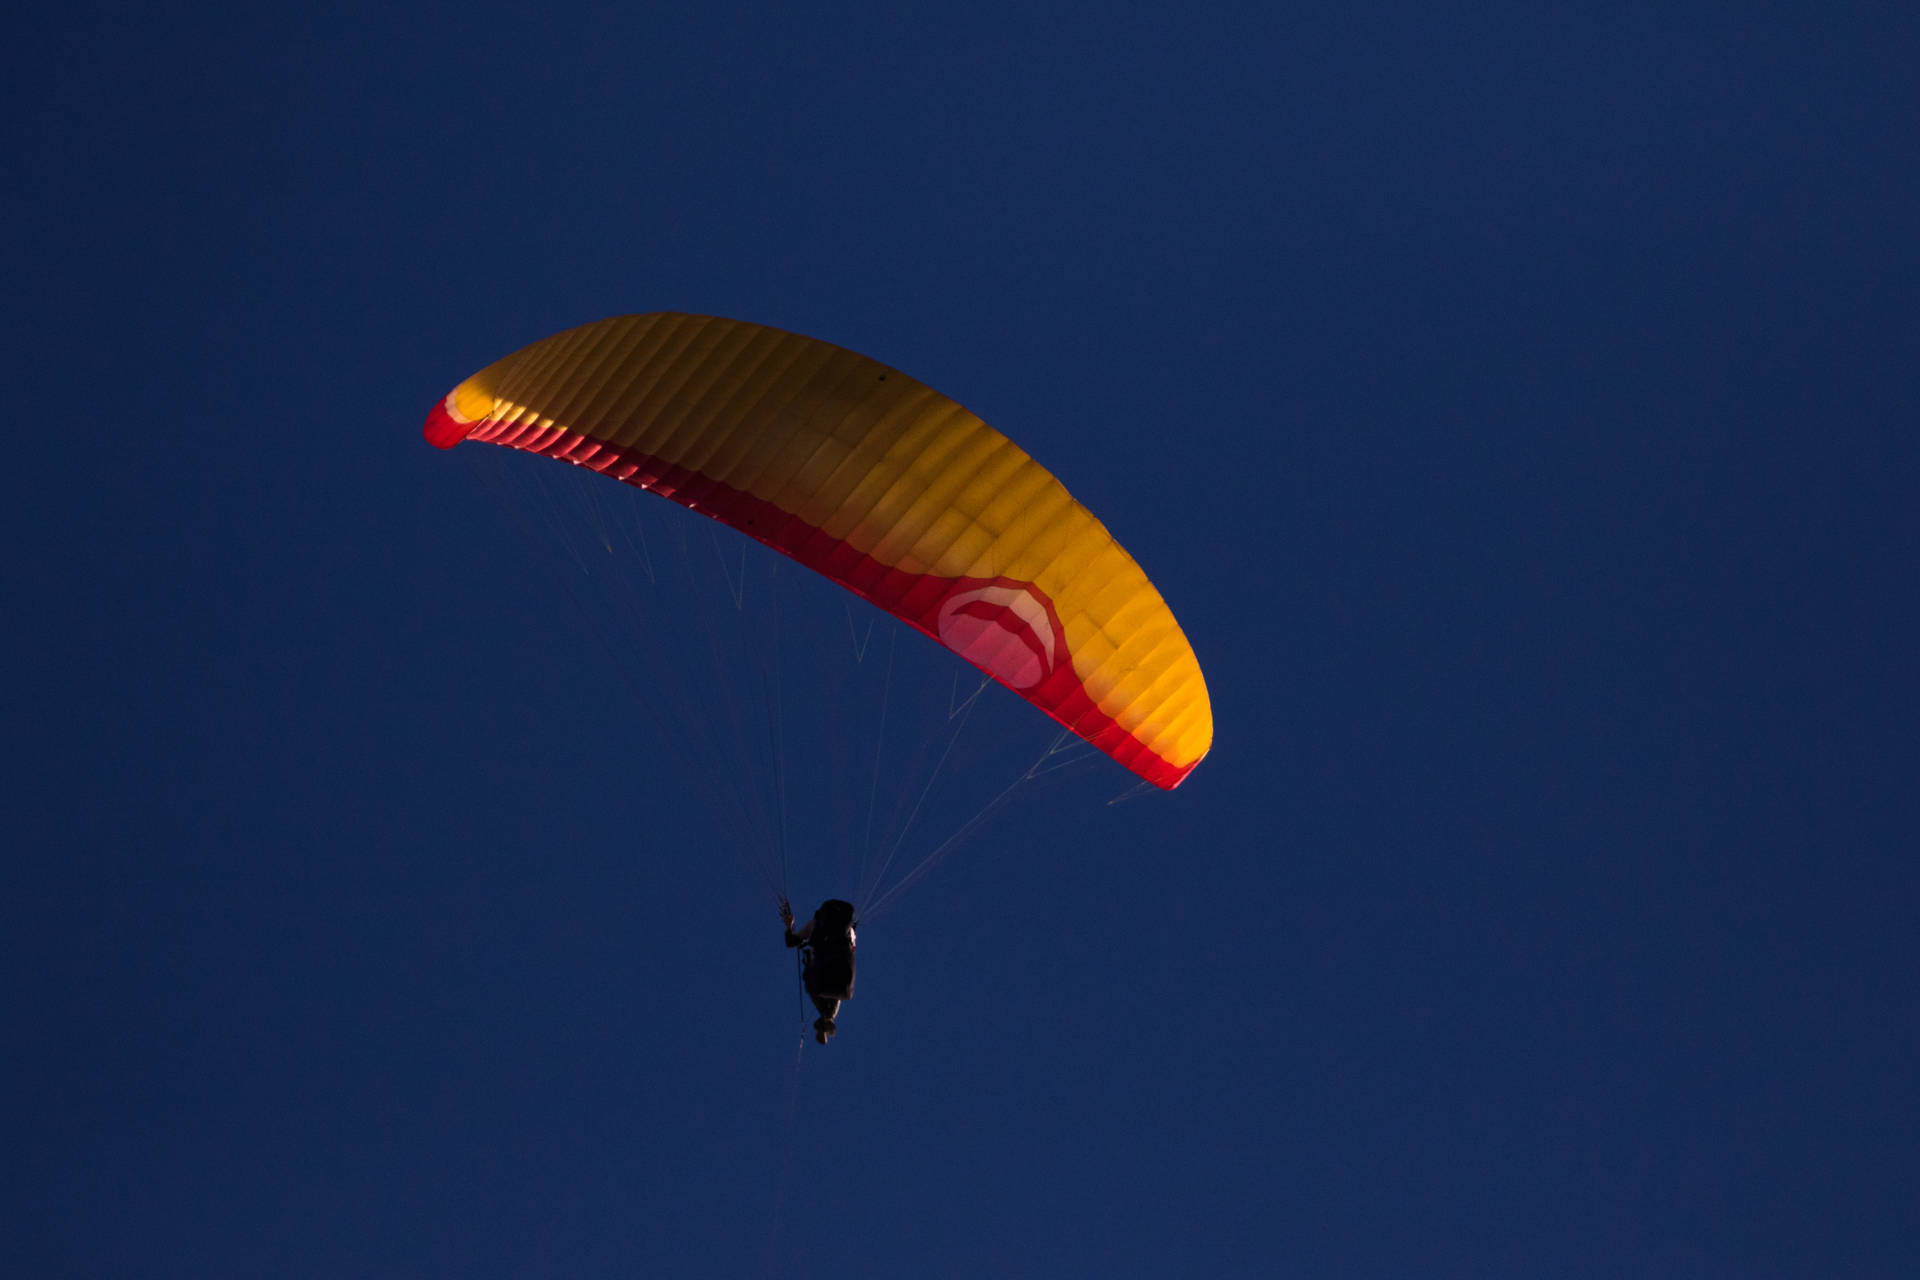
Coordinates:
<point>1516,404</point>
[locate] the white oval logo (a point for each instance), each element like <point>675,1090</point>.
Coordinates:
<point>1004,630</point>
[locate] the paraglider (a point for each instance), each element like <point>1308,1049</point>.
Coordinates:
<point>826,945</point>
<point>883,486</point>
<point>879,483</point>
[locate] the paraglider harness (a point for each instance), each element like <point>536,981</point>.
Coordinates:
<point>827,970</point>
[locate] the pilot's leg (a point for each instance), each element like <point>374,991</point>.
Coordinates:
<point>823,1027</point>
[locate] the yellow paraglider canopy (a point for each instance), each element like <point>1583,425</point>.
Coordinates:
<point>878,482</point>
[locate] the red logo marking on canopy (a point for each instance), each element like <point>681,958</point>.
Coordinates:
<point>1005,628</point>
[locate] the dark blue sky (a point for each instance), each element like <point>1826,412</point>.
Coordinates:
<point>1517,410</point>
